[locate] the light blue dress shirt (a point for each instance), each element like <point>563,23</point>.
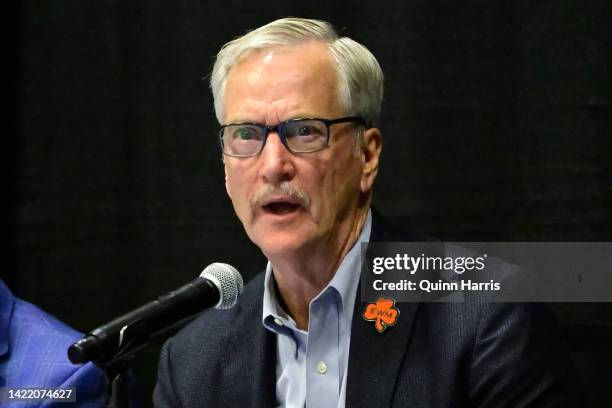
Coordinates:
<point>311,366</point>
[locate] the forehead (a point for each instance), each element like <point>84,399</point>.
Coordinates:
<point>277,83</point>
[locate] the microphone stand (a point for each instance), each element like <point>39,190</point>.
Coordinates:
<point>116,367</point>
<point>116,372</point>
<point>118,393</point>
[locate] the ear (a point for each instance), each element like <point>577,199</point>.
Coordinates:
<point>370,155</point>
<point>225,174</point>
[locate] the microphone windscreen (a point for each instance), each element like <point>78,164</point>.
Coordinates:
<point>228,281</point>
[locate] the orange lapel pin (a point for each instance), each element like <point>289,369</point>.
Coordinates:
<point>382,312</point>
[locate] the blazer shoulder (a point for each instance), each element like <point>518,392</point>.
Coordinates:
<point>37,320</point>
<point>37,356</point>
<point>200,364</point>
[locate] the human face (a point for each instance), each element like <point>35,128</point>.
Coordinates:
<point>292,202</point>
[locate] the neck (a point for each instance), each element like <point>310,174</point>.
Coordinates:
<point>301,277</point>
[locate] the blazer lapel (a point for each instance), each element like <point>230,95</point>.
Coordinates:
<point>266,361</point>
<point>259,355</point>
<point>375,358</point>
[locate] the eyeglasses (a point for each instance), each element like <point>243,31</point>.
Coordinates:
<point>297,135</point>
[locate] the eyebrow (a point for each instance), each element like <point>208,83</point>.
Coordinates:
<point>292,117</point>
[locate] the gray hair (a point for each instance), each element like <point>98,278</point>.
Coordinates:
<point>359,74</point>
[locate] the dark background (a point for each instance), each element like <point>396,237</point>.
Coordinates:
<point>496,121</point>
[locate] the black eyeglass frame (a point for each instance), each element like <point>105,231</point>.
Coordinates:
<point>278,128</point>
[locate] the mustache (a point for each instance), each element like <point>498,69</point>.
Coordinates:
<point>285,189</point>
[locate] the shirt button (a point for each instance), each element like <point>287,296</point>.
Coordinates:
<point>322,367</point>
<point>278,321</point>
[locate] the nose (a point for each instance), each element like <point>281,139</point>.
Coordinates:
<point>276,162</point>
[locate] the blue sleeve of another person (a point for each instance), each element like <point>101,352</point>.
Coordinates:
<point>33,348</point>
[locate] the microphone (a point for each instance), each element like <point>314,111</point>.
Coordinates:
<point>219,285</point>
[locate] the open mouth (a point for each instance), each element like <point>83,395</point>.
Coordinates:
<point>280,208</point>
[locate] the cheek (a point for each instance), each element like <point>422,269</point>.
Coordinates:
<point>338,185</point>
<point>236,184</point>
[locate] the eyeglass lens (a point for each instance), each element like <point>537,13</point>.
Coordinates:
<point>301,136</point>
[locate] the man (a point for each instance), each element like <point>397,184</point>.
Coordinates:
<point>33,348</point>
<point>298,108</point>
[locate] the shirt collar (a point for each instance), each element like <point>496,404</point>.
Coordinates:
<point>345,282</point>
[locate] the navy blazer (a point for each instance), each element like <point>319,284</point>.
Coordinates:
<point>33,353</point>
<point>437,355</point>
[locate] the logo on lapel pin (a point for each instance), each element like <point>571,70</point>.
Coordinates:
<point>382,312</point>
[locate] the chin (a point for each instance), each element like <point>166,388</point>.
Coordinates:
<point>280,235</point>
<point>280,243</point>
